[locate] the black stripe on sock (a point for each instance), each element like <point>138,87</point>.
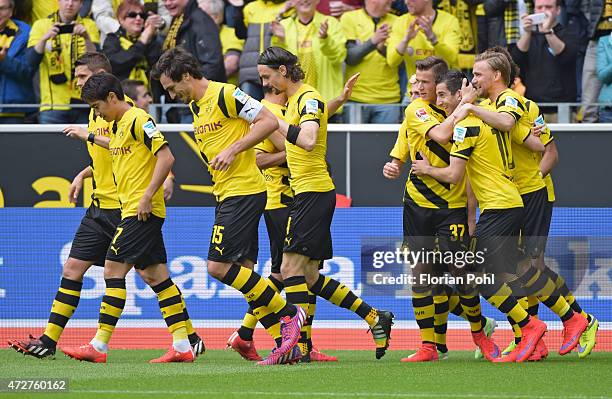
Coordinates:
<point>67,299</point>
<point>264,299</point>
<point>108,319</point>
<point>422,302</point>
<point>58,319</point>
<point>363,310</point>
<point>348,300</point>
<point>114,301</point>
<point>71,284</point>
<point>250,283</point>
<point>269,320</point>
<point>162,286</point>
<point>115,283</point>
<point>277,283</point>
<point>173,300</point>
<point>231,275</point>
<point>175,318</point>
<point>316,288</point>
<point>329,289</point>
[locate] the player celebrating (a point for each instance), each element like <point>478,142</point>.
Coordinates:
<point>487,156</point>
<point>432,208</point>
<point>308,239</point>
<point>507,111</point>
<point>95,233</point>
<point>141,161</point>
<point>227,124</point>
<point>272,161</point>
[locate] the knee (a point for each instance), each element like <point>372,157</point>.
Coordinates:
<point>217,270</point>
<point>151,281</point>
<point>75,269</point>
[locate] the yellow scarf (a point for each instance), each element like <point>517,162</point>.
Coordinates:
<point>170,41</point>
<point>57,69</point>
<point>8,34</point>
<point>139,72</point>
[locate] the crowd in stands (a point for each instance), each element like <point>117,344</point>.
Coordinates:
<point>563,48</point>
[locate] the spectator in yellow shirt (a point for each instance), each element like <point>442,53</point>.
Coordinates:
<point>59,40</point>
<point>421,33</point>
<point>231,46</point>
<point>367,30</point>
<point>320,45</point>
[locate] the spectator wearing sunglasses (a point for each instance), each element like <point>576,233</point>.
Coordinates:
<point>105,14</point>
<point>136,46</point>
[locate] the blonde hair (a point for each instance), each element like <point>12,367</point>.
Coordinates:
<point>497,62</point>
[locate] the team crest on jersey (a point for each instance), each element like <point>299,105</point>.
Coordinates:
<point>511,102</point>
<point>422,114</point>
<point>241,96</point>
<point>312,106</point>
<point>459,134</point>
<point>150,129</point>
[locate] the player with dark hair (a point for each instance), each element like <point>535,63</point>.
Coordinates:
<point>141,161</point>
<point>228,123</point>
<point>95,233</point>
<point>308,240</point>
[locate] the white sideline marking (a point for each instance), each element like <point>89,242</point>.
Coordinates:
<point>339,394</point>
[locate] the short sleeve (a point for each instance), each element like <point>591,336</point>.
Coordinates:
<point>465,138</point>
<point>311,108</point>
<point>148,132</point>
<point>401,149</point>
<point>421,119</point>
<point>512,104</point>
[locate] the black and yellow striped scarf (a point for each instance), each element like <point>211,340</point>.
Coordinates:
<point>139,72</point>
<point>512,20</point>
<point>170,41</point>
<point>57,69</point>
<point>8,34</point>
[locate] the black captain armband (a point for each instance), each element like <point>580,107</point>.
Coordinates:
<point>292,134</point>
<point>91,138</point>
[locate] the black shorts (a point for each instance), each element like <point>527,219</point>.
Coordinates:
<point>536,223</point>
<point>138,243</point>
<point>276,224</point>
<point>95,234</point>
<point>428,228</point>
<point>497,238</point>
<point>309,225</point>
<point>235,236</point>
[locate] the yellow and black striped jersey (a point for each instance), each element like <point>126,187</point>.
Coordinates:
<point>526,172</point>
<point>101,164</point>
<point>278,188</point>
<point>489,153</point>
<point>104,190</point>
<point>135,140</point>
<point>308,170</point>
<point>425,191</point>
<point>220,118</point>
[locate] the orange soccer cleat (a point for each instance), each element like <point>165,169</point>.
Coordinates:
<point>85,353</point>
<point>172,356</point>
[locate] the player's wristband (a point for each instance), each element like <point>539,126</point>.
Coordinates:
<point>91,138</point>
<point>292,134</point>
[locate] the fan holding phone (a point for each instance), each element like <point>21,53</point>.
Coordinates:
<point>546,54</point>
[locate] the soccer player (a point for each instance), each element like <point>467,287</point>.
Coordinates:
<point>486,155</point>
<point>506,110</point>
<point>537,191</point>
<point>308,238</point>
<point>228,123</point>
<point>95,233</point>
<point>272,161</point>
<point>141,161</point>
<point>433,209</point>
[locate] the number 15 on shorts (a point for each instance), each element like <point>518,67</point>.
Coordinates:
<point>217,235</point>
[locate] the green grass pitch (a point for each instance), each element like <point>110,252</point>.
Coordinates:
<point>222,374</point>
